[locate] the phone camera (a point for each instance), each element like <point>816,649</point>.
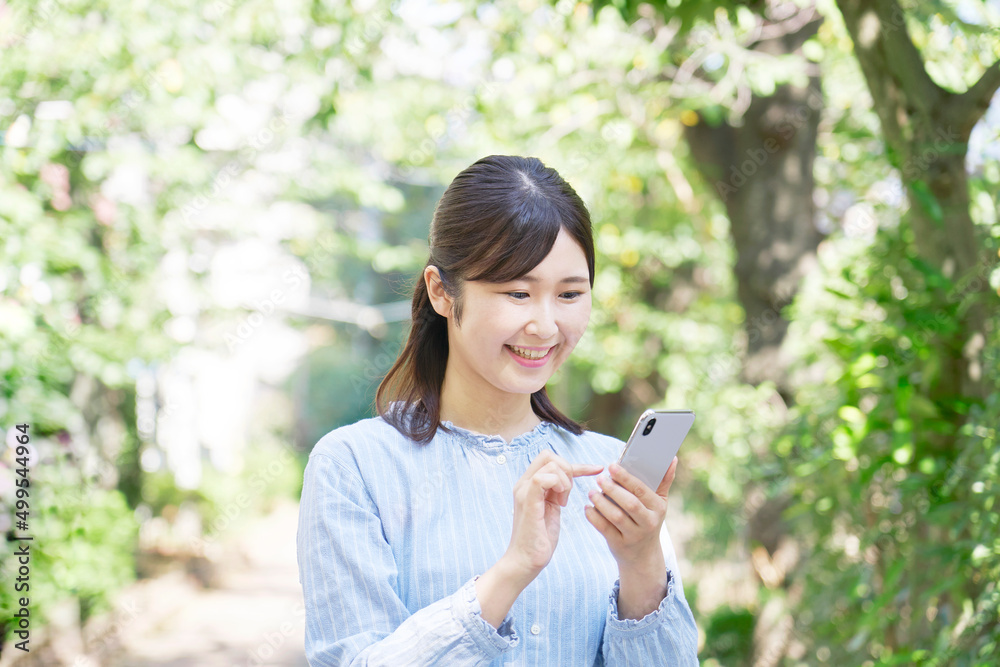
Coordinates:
<point>649,426</point>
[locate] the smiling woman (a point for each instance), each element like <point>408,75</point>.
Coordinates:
<point>427,535</point>
<point>505,332</point>
<point>507,233</point>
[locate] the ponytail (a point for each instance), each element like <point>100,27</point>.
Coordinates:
<point>418,374</point>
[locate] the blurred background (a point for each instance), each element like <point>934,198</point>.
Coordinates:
<point>212,213</point>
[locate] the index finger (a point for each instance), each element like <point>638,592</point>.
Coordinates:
<point>573,469</point>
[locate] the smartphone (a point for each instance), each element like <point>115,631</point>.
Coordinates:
<point>654,443</point>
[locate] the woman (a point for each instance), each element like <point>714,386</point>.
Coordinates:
<point>428,535</point>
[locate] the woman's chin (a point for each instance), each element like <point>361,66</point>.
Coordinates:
<point>528,388</point>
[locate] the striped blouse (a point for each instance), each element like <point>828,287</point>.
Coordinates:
<point>392,537</point>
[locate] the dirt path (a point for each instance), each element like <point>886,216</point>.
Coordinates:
<point>254,616</point>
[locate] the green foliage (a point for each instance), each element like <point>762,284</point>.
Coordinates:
<point>84,538</point>
<point>891,479</point>
<point>644,341</point>
<point>103,177</point>
<point>341,384</point>
<point>893,483</point>
<point>270,471</point>
<point>687,13</point>
<point>160,490</point>
<point>728,637</point>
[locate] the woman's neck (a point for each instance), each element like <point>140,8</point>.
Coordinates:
<point>508,416</point>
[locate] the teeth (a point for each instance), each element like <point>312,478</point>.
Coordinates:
<point>528,354</point>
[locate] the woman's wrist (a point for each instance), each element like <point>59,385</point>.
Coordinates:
<point>498,588</point>
<point>517,570</point>
<point>649,562</point>
<point>642,587</point>
<point>637,599</point>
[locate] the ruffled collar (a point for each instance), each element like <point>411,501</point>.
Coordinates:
<point>494,443</point>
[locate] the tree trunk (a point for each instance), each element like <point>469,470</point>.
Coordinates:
<point>762,172</point>
<point>926,131</point>
<point>606,413</point>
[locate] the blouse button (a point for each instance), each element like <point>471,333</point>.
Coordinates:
<point>501,459</point>
<point>535,629</point>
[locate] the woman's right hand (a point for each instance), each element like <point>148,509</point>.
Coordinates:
<point>539,496</point>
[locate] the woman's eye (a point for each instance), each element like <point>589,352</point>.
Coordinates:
<point>520,296</point>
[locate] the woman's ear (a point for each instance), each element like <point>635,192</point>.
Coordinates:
<point>440,300</point>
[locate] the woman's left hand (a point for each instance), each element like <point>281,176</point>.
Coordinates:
<point>633,528</point>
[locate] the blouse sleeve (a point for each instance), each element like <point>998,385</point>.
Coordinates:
<point>354,615</point>
<point>666,636</point>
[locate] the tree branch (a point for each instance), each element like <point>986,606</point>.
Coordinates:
<point>970,106</point>
<point>893,67</point>
<point>791,26</point>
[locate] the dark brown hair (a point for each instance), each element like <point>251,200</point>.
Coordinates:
<point>496,221</point>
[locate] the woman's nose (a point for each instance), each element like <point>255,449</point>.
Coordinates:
<point>542,324</point>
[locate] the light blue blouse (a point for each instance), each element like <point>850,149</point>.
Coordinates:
<point>392,537</point>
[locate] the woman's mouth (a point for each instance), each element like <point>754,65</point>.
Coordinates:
<point>528,357</point>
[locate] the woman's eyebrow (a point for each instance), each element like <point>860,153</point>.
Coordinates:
<point>568,279</point>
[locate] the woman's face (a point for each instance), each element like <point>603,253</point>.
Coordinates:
<point>515,335</point>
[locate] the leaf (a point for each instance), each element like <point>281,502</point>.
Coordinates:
<point>921,406</point>
<point>980,553</point>
<point>931,273</point>
<point>849,413</point>
<point>837,292</point>
<point>865,363</point>
<point>903,454</point>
